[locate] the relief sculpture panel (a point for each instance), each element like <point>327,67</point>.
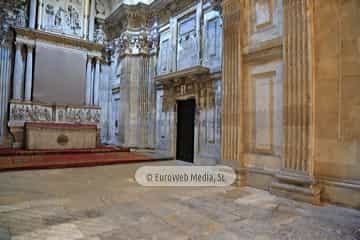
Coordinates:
<point>63,16</point>
<point>187,43</point>
<point>164,55</point>
<point>212,41</point>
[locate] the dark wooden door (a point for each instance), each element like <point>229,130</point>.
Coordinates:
<point>185,130</point>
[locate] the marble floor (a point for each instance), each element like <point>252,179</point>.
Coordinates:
<point>105,203</point>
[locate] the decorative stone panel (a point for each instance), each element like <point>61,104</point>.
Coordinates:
<point>165,52</point>
<point>212,41</point>
<point>264,97</point>
<point>21,112</point>
<point>63,16</point>
<point>187,43</point>
<point>264,20</point>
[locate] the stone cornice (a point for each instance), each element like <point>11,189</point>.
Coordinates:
<point>196,72</point>
<point>30,34</point>
<point>142,15</point>
<point>268,50</point>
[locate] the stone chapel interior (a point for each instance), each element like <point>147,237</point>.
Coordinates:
<point>269,87</point>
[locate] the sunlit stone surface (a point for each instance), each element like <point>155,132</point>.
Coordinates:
<point>105,203</point>
<point>272,85</point>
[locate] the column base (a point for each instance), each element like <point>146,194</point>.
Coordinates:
<point>296,187</point>
<point>240,178</point>
<point>18,137</point>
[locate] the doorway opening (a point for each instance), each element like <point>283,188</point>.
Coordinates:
<point>185,130</point>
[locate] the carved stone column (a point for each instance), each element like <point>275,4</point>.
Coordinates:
<point>137,89</point>
<point>89,72</point>
<point>5,82</point>
<point>92,20</point>
<point>296,178</point>
<point>231,137</point>
<point>18,85</point>
<point>29,73</point>
<point>97,82</point>
<point>39,16</point>
<point>32,15</point>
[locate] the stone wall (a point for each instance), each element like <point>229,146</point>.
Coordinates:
<point>290,99</point>
<point>337,101</point>
<point>12,13</point>
<point>68,26</point>
<point>188,40</point>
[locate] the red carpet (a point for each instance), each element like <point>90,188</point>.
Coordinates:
<point>22,152</point>
<point>47,161</point>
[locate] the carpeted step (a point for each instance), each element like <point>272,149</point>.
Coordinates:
<point>50,161</point>
<point>22,152</point>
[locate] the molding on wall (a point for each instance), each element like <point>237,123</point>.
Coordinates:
<point>269,50</point>
<point>56,38</point>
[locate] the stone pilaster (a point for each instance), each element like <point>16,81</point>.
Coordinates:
<point>32,15</point>
<point>296,178</point>
<point>18,84</point>
<point>5,82</point>
<point>97,82</point>
<point>231,145</point>
<point>29,73</point>
<point>92,20</point>
<point>39,16</point>
<point>89,71</point>
<point>138,60</point>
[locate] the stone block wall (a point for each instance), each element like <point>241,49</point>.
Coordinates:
<point>189,39</point>
<point>337,99</point>
<point>291,123</point>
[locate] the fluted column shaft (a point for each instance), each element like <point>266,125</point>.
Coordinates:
<point>92,20</point>
<point>18,84</point>
<point>97,82</point>
<point>88,85</point>
<point>32,15</point>
<point>5,82</point>
<point>29,73</point>
<point>297,87</point>
<point>231,146</point>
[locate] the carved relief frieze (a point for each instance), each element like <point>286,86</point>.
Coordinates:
<point>12,14</point>
<point>21,112</point>
<point>63,16</point>
<point>77,115</point>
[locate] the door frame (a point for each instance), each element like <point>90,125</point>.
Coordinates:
<point>184,98</point>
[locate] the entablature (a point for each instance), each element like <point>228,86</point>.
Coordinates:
<point>197,73</point>
<point>31,36</point>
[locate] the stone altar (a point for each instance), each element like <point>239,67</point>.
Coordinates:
<point>25,115</point>
<point>50,136</point>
